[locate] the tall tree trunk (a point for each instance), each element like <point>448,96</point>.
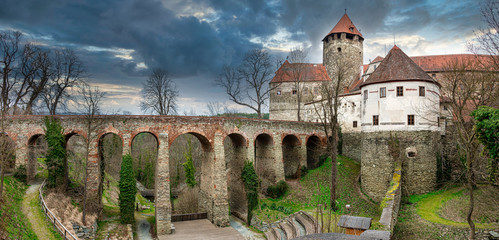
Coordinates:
<point>470,185</point>
<point>2,172</point>
<point>332,151</point>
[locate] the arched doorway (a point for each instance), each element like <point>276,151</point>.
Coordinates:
<point>314,150</point>
<point>291,156</point>
<point>235,150</point>
<point>264,160</point>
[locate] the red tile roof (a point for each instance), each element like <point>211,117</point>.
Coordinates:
<point>397,66</point>
<point>438,63</point>
<point>312,72</point>
<point>377,59</point>
<point>345,25</point>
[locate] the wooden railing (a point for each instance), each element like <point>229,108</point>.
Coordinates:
<point>53,219</point>
<point>189,217</point>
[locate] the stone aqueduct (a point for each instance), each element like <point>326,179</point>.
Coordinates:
<point>277,149</point>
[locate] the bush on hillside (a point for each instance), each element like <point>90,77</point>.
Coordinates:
<point>251,183</point>
<point>20,173</point>
<point>278,190</point>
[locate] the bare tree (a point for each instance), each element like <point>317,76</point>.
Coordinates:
<point>90,101</point>
<point>326,110</point>
<point>298,73</point>
<point>68,71</point>
<point>159,93</point>
<point>9,48</point>
<point>466,85</point>
<point>248,84</point>
<point>488,38</point>
<point>215,108</point>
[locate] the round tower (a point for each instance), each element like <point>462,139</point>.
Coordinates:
<point>343,51</point>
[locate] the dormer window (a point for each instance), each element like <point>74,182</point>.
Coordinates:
<point>351,29</point>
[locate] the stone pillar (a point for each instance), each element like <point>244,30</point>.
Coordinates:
<point>220,195</point>
<point>251,151</point>
<point>93,174</point>
<point>278,159</point>
<point>22,149</point>
<point>127,141</point>
<point>162,188</point>
<point>303,151</point>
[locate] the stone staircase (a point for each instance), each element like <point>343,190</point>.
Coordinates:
<point>296,225</point>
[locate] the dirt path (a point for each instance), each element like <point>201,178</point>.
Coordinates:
<point>31,210</point>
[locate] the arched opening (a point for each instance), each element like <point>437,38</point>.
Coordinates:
<point>145,154</point>
<point>291,156</point>
<point>37,149</point>
<point>314,149</point>
<point>76,154</point>
<point>264,160</point>
<point>190,192</point>
<point>111,154</point>
<point>235,149</point>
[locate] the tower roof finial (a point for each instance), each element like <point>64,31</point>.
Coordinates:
<point>345,11</point>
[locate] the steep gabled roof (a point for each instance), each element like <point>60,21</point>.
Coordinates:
<point>377,59</point>
<point>311,72</point>
<point>345,25</point>
<point>397,66</point>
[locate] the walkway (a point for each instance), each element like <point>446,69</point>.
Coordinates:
<point>32,210</point>
<point>201,230</point>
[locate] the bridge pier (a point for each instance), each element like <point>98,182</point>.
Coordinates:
<point>278,158</point>
<point>162,188</point>
<point>220,196</point>
<point>93,175</point>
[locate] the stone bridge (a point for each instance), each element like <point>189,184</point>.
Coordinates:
<point>277,149</point>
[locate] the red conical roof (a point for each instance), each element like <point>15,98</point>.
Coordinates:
<point>397,66</point>
<point>345,25</point>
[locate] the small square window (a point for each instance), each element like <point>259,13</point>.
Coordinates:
<point>365,94</point>
<point>433,75</point>
<point>382,92</point>
<point>400,91</point>
<point>294,92</point>
<point>421,91</point>
<point>410,119</point>
<point>375,120</point>
<point>278,92</point>
<point>445,108</point>
<point>354,124</point>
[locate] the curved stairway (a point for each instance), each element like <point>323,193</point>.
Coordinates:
<point>296,225</point>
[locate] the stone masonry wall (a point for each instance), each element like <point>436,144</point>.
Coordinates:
<point>352,145</point>
<point>418,153</point>
<point>211,131</point>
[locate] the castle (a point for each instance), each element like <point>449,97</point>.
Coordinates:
<point>396,97</point>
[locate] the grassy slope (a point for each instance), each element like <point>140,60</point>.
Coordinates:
<point>17,225</point>
<point>314,189</point>
<point>39,222</point>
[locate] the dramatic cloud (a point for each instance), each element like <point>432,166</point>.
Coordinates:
<point>121,40</point>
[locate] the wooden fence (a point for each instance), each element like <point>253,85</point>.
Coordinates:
<point>53,219</point>
<point>189,217</point>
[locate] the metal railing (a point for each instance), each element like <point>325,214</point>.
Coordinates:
<point>53,219</point>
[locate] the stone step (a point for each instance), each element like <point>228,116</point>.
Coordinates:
<point>272,234</point>
<point>305,222</point>
<point>288,229</point>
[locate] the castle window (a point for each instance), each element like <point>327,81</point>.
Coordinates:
<point>365,94</point>
<point>400,91</point>
<point>410,119</point>
<point>434,75</point>
<point>354,124</point>
<point>438,121</point>
<point>375,120</point>
<point>294,91</point>
<point>339,49</point>
<point>421,91</point>
<point>382,92</point>
<point>316,90</point>
<point>278,92</point>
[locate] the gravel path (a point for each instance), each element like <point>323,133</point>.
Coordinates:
<point>35,216</point>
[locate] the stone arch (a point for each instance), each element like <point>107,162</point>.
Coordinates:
<point>314,150</point>
<point>236,152</point>
<point>76,155</point>
<point>291,156</point>
<point>110,148</point>
<point>203,164</point>
<point>265,160</point>
<point>37,148</point>
<point>144,148</point>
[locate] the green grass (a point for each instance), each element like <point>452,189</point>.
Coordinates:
<point>39,215</point>
<point>314,189</point>
<point>429,205</point>
<point>15,222</point>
